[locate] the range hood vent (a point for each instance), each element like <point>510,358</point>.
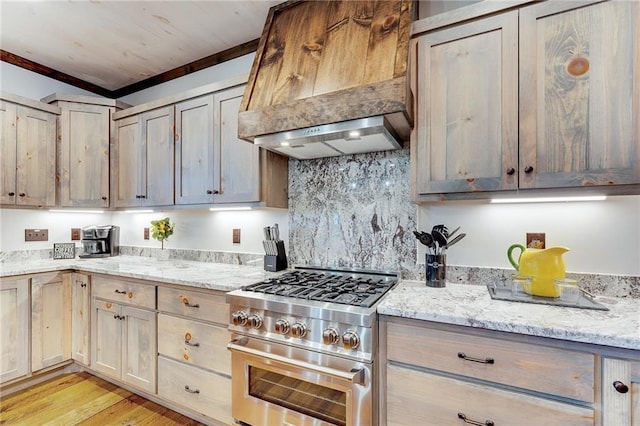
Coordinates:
<point>325,70</point>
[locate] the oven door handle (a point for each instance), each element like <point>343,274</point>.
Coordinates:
<point>356,375</point>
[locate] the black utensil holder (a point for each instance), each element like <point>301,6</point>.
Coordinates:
<point>436,270</point>
<point>274,263</point>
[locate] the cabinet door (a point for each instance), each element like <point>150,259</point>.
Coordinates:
<point>620,392</point>
<point>157,132</point>
<point>8,116</point>
<point>84,155</point>
<point>467,117</point>
<point>35,153</point>
<point>80,317</point>
<point>239,161</point>
<point>579,94</point>
<point>129,162</point>
<point>14,332</point>
<point>196,181</point>
<point>106,338</point>
<point>139,349</point>
<point>50,320</point>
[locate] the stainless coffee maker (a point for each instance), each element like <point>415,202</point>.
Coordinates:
<point>100,241</point>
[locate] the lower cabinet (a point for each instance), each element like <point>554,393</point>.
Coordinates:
<point>436,377</point>
<point>50,319</point>
<point>14,329</point>
<point>123,337</point>
<point>80,317</point>
<point>194,365</point>
<point>620,392</point>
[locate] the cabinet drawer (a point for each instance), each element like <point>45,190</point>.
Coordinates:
<point>194,304</point>
<point>419,398</point>
<point>554,371</point>
<point>125,292</point>
<point>195,343</point>
<point>196,389</point>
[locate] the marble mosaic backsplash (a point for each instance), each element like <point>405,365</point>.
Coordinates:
<point>352,211</point>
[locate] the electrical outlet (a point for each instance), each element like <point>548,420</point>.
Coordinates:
<point>36,235</point>
<point>75,234</point>
<point>146,233</point>
<point>536,240</point>
<point>236,236</point>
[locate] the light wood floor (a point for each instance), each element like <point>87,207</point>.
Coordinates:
<point>83,399</point>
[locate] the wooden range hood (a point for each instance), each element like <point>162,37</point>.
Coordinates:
<point>325,62</point>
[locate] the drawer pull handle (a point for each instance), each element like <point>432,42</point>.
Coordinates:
<point>185,301</point>
<point>188,389</point>
<point>464,418</point>
<point>186,342</point>
<point>118,317</point>
<point>120,292</point>
<point>472,359</point>
<point>620,387</point>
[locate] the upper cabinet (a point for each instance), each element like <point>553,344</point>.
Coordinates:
<point>540,97</point>
<point>28,152</point>
<point>193,151</point>
<point>142,168</point>
<point>84,131</point>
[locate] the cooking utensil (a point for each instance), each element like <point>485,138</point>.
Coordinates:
<point>453,233</point>
<point>442,229</point>
<point>440,239</point>
<point>454,240</point>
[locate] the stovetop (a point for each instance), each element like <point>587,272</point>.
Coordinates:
<point>347,287</point>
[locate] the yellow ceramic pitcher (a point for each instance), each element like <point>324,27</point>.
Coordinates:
<point>543,266</point>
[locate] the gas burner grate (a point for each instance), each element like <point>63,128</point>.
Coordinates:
<point>346,289</point>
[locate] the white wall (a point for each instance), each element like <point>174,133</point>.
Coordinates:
<point>603,236</point>
<point>19,81</point>
<point>195,229</point>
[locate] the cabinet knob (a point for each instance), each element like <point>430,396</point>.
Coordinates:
<point>22,194</point>
<point>528,169</point>
<point>11,194</point>
<point>620,387</point>
<point>104,198</point>
<point>511,171</point>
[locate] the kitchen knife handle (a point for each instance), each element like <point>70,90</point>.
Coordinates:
<point>462,355</point>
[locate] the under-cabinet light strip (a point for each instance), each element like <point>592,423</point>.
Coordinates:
<point>547,199</point>
<point>77,211</point>
<point>220,209</point>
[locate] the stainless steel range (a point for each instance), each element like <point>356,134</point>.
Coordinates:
<point>305,346</point>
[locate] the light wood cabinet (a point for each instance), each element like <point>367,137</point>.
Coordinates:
<point>467,126</point>
<point>620,392</point>
<point>196,158</point>
<point>143,156</point>
<point>542,97</point>
<point>14,332</point>
<point>80,317</point>
<point>435,376</point>
<point>123,338</point>
<point>212,165</point>
<point>28,152</point>
<point>50,319</point>
<point>194,365</point>
<point>85,129</point>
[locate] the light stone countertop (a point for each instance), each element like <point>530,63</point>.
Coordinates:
<point>215,276</point>
<point>471,305</point>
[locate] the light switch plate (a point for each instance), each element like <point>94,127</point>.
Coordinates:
<point>236,236</point>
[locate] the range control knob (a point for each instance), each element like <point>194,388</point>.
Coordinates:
<point>330,336</point>
<point>239,318</point>
<point>299,329</point>
<point>255,321</point>
<point>350,340</point>
<point>282,326</point>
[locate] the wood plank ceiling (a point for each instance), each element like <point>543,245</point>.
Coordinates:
<point>114,48</point>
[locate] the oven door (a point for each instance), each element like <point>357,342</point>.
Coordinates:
<point>275,384</point>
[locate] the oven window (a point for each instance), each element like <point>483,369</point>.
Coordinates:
<point>313,400</point>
